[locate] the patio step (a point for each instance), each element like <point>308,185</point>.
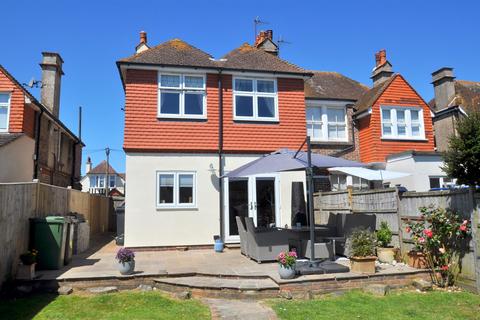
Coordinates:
<point>219,283</point>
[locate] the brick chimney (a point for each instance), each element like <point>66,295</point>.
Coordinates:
<point>88,165</point>
<point>142,46</point>
<point>383,68</point>
<point>267,46</point>
<point>51,79</point>
<point>444,87</point>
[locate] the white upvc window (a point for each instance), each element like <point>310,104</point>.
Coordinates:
<point>181,96</point>
<point>97,181</point>
<point>402,123</point>
<point>441,182</point>
<point>4,111</point>
<point>176,189</point>
<point>255,99</point>
<point>327,123</point>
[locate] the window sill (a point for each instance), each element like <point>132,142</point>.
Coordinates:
<point>180,118</point>
<point>174,208</point>
<point>330,142</point>
<point>404,139</point>
<point>256,121</point>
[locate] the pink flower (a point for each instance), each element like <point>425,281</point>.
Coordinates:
<point>408,229</point>
<point>292,254</point>
<point>283,261</point>
<point>281,255</point>
<point>463,227</point>
<point>444,268</point>
<point>421,240</point>
<point>428,233</point>
<point>465,221</point>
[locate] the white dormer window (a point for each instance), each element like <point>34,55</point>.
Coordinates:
<point>402,123</point>
<point>181,96</point>
<point>255,99</point>
<point>4,111</point>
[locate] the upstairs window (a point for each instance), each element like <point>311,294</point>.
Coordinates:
<point>4,111</point>
<point>255,99</point>
<point>402,123</point>
<point>112,181</point>
<point>176,189</point>
<point>325,123</point>
<point>181,96</point>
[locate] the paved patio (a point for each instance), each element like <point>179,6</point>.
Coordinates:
<point>99,263</point>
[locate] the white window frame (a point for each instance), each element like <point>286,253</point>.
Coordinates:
<point>6,105</point>
<point>408,122</point>
<point>110,178</point>
<point>182,90</point>
<point>176,191</point>
<point>254,94</point>
<point>441,180</point>
<point>324,122</point>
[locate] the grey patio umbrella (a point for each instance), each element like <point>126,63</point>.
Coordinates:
<point>289,160</point>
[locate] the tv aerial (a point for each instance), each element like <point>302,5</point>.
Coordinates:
<point>280,42</point>
<point>256,22</point>
<point>33,83</point>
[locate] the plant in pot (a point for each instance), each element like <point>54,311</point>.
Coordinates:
<point>286,264</point>
<point>26,270</point>
<point>126,261</point>
<point>385,252</point>
<point>361,245</point>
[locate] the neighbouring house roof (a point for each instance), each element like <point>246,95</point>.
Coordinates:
<point>413,153</point>
<point>6,138</point>
<point>372,95</point>
<point>101,168</point>
<point>178,53</point>
<point>333,85</point>
<point>467,95</point>
<point>39,104</point>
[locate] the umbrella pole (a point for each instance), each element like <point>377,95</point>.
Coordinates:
<point>310,200</point>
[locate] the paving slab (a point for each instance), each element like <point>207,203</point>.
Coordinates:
<point>239,309</point>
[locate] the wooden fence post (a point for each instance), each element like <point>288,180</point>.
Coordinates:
<point>400,224</point>
<point>475,221</point>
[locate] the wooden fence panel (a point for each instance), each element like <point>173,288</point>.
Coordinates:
<point>21,201</point>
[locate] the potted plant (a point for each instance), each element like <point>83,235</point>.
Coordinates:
<point>362,251</point>
<point>385,252</point>
<point>126,261</point>
<point>415,257</point>
<point>286,264</point>
<point>26,269</point>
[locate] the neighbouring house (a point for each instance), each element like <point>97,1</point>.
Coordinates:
<point>34,143</point>
<point>453,99</point>
<point>329,101</point>
<point>191,118</point>
<point>95,179</point>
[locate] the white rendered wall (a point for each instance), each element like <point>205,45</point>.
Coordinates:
<point>145,225</point>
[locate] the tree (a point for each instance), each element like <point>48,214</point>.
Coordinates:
<point>462,160</point>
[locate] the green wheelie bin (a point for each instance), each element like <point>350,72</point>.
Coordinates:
<point>49,237</point>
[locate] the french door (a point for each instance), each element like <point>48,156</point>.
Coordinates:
<point>255,197</point>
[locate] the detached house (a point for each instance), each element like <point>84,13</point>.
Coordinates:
<point>189,119</point>
<point>34,143</point>
<point>95,179</point>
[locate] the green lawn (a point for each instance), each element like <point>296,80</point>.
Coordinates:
<point>124,305</point>
<point>398,306</point>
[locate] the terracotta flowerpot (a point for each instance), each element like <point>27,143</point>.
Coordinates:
<point>386,255</point>
<point>417,260</point>
<point>363,264</point>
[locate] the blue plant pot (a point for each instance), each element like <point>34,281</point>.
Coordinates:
<point>126,268</point>
<point>218,246</point>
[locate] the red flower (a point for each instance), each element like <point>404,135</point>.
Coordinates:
<point>428,233</point>
<point>444,268</point>
<point>408,229</point>
<point>463,227</point>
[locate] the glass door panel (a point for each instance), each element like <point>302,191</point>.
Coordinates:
<point>238,203</point>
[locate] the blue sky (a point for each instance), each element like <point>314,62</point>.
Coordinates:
<point>342,36</point>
